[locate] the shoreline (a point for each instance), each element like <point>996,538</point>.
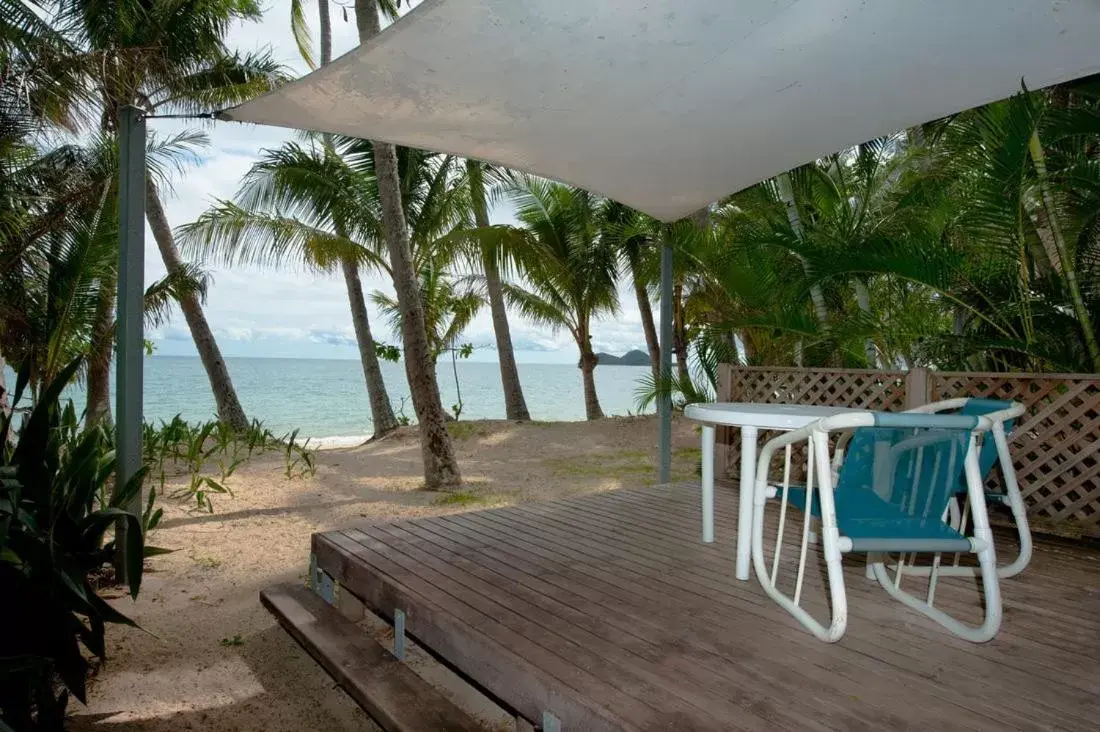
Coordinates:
<point>337,441</point>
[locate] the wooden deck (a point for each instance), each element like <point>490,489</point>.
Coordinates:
<point>608,611</point>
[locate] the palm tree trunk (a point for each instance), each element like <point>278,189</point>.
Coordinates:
<point>749,344</point>
<point>436,447</point>
<point>679,332</point>
<point>587,365</point>
<point>5,402</point>
<point>649,327</point>
<point>786,194</point>
<point>1068,266</point>
<point>515,406</point>
<point>381,411</point>
<point>863,300</point>
<point>225,396</point>
<point>98,406</point>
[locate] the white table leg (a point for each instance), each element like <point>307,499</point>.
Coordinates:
<point>708,483</point>
<point>744,504</point>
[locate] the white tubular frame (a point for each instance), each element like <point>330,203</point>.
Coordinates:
<point>819,467</point>
<point>981,543</point>
<point>1012,490</point>
<point>820,482</point>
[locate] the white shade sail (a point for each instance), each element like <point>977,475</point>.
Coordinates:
<point>668,105</point>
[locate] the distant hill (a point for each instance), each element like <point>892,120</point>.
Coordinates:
<point>630,358</point>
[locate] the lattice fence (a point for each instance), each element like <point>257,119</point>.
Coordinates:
<point>859,388</point>
<point>1056,448</point>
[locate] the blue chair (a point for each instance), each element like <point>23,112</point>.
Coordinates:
<point>891,495</point>
<point>1003,415</point>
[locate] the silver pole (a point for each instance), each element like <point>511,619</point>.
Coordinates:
<point>131,292</point>
<point>664,403</point>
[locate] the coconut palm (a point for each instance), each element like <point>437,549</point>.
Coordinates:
<point>637,239</point>
<point>171,58</point>
<point>57,301</point>
<point>437,450</point>
<point>489,256</point>
<point>382,413</point>
<point>449,308</point>
<point>305,205</point>
<point>570,270</point>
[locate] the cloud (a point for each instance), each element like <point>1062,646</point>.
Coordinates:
<point>174,333</point>
<point>333,338</point>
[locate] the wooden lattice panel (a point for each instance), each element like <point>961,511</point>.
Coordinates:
<point>856,388</point>
<point>1056,448</point>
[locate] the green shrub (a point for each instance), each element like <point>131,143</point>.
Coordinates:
<point>56,510</point>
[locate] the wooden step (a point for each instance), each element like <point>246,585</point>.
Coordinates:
<point>387,689</point>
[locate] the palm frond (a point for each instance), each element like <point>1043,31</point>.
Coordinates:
<point>162,295</point>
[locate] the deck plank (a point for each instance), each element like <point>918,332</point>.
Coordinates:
<point>607,610</point>
<point>927,674</point>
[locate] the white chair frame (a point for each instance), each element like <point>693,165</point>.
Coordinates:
<point>1013,498</point>
<point>834,546</point>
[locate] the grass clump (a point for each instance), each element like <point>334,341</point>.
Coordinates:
<point>460,498</point>
<point>466,430</point>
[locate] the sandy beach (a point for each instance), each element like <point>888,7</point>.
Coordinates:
<point>209,657</point>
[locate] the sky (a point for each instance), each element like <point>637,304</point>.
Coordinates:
<point>296,313</point>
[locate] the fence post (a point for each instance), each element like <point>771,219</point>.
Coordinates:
<point>918,388</point>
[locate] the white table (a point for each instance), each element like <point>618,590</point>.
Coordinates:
<point>751,418</point>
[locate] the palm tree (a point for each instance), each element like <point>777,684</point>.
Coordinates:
<point>571,270</point>
<point>448,307</point>
<point>171,58</point>
<point>382,416</point>
<point>306,205</point>
<point>637,239</point>
<point>57,302</point>
<point>489,256</point>
<point>437,450</point>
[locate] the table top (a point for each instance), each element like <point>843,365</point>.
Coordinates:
<point>764,416</point>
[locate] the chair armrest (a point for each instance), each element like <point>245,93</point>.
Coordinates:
<point>940,406</point>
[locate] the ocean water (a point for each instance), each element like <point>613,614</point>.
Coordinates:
<point>328,398</point>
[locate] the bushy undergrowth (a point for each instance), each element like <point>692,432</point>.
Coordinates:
<point>58,506</point>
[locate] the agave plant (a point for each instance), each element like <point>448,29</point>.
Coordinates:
<point>56,512</point>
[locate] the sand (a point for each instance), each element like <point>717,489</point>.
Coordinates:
<point>210,657</point>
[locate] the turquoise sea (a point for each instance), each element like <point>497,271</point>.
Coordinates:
<point>327,398</point>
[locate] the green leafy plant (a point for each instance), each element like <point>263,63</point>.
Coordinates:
<point>464,351</point>
<point>55,517</point>
<point>299,460</point>
<point>179,448</point>
<point>402,417</point>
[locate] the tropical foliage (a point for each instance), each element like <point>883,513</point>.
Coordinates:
<point>56,508</point>
<point>968,243</point>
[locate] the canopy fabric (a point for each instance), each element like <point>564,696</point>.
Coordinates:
<point>667,105</point>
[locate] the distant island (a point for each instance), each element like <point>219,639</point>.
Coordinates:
<point>630,358</point>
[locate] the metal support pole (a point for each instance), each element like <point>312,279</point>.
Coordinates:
<point>130,338</point>
<point>664,402</point>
